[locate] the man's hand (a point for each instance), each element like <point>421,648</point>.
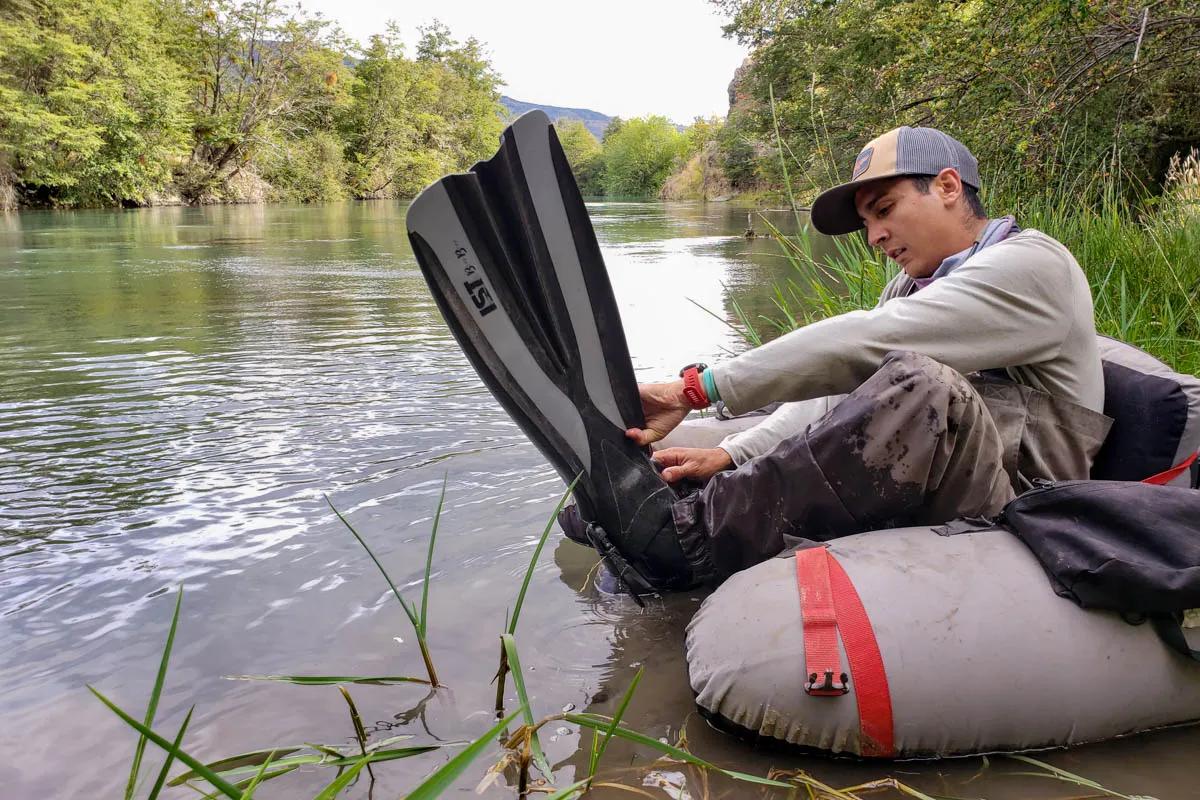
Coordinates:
<point>697,463</point>
<point>665,407</point>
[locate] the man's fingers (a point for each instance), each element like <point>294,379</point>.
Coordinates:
<point>643,437</point>
<point>669,457</point>
<point>677,464</point>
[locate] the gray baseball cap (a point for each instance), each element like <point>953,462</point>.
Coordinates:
<point>901,151</point>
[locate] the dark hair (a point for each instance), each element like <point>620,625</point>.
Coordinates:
<point>923,182</point>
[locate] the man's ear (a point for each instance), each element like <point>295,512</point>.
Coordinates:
<point>949,186</point>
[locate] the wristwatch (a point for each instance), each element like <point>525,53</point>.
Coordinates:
<point>693,388</point>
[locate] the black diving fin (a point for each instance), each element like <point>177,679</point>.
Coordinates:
<point>512,261</point>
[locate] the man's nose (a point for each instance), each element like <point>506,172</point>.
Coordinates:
<point>876,234</point>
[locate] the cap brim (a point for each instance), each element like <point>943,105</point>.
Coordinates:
<point>833,212</point>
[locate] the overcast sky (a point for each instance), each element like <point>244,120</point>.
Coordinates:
<point>618,57</point>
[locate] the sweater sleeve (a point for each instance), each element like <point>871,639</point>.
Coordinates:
<point>787,420</point>
<point>1007,306</point>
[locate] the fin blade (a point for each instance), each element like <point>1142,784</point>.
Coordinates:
<point>467,274</point>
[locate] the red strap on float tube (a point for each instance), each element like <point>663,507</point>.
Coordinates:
<point>1166,476</point>
<point>822,664</point>
<point>829,605</point>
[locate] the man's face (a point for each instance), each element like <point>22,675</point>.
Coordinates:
<point>917,230</point>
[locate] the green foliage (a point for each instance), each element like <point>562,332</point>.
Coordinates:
<point>410,121</point>
<point>701,177</point>
<point>584,154</point>
<point>93,108</point>
<point>639,156</point>
<point>701,133</point>
<point>116,101</point>
<point>742,158</point>
<point>1007,78</point>
<point>307,169</point>
<point>262,78</point>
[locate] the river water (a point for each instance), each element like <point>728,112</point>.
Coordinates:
<point>181,388</point>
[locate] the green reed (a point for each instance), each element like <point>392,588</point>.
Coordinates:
<point>418,618</point>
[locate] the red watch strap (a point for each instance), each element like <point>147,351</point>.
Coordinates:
<point>693,389</point>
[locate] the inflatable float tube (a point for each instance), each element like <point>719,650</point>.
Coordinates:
<point>950,645</point>
<point>905,643</point>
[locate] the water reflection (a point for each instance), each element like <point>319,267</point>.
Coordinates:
<point>180,387</point>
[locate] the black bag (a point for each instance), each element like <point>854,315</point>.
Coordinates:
<point>1121,546</point>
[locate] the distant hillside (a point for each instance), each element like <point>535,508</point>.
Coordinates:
<point>594,120</point>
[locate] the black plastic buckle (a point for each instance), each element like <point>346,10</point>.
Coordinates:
<point>700,367</point>
<point>828,687</point>
<point>630,577</point>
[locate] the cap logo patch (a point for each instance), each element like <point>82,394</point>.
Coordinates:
<point>862,162</point>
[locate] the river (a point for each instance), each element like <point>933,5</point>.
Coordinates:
<point>181,388</point>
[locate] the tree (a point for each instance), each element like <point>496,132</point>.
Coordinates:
<point>584,154</point>
<point>261,77</point>
<point>94,108</point>
<point>639,155</point>
<point>467,101</point>
<point>410,121</point>
<point>1051,91</point>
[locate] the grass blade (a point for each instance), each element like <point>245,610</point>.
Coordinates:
<point>597,722</point>
<point>275,771</point>
<point>155,694</point>
<point>436,783</point>
<point>203,771</point>
<point>250,759</point>
<point>166,767</point>
<point>359,732</point>
<point>330,680</point>
<point>437,518</point>
<point>747,331</point>
<point>569,792</point>
<point>409,611</point>
<point>248,792</point>
<point>598,752</point>
<point>514,666</point>
<point>236,767</point>
<point>416,623</point>
<point>516,614</point>
<point>342,781</point>
<point>1056,773</point>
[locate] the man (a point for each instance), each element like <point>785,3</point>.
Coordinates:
<point>915,441</point>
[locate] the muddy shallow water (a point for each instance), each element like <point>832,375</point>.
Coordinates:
<point>179,388</point>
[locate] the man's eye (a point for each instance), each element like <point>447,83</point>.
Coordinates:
<point>883,211</point>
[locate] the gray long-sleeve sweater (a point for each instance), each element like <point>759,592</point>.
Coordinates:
<point>1022,304</point>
